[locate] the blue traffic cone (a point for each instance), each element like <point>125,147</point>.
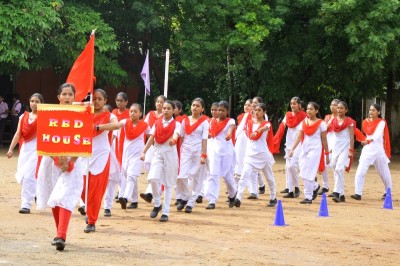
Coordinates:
<point>323,208</point>
<point>388,200</point>
<point>279,219</point>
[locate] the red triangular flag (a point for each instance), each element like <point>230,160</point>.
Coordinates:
<point>82,72</point>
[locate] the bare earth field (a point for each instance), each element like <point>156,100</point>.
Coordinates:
<point>355,233</point>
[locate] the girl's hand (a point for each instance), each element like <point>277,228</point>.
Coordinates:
<point>254,134</point>
<point>327,160</point>
<point>351,154</point>
<point>142,156</point>
<point>9,154</point>
<point>203,160</point>
<point>291,153</point>
<point>171,142</point>
<point>228,137</point>
<point>363,143</point>
<point>64,165</point>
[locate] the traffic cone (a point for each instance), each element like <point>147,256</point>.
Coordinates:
<point>323,208</point>
<point>388,200</point>
<point>279,219</point>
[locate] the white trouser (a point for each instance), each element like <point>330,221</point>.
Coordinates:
<point>109,195</point>
<point>381,167</point>
<point>28,192</point>
<point>309,187</point>
<point>249,171</point>
<point>325,178</point>
<point>292,173</point>
<point>131,187</point>
<point>155,184</point>
<point>212,187</point>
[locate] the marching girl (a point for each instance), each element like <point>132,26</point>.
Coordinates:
<point>312,134</point>
<point>60,182</point>
<point>193,155</point>
<point>179,116</point>
<point>27,159</point>
<point>293,121</point>
<point>135,131</point>
<point>330,137</point>
<point>99,163</point>
<point>376,151</point>
<point>257,155</point>
<point>150,119</point>
<point>164,165</point>
<point>343,149</point>
<point>222,158</point>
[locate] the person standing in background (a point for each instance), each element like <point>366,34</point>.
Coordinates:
<point>3,117</point>
<point>14,114</point>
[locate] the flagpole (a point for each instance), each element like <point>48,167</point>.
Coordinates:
<point>166,73</point>
<point>144,104</point>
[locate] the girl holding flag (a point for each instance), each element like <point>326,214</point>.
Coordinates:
<point>343,149</point>
<point>376,151</point>
<point>27,159</point>
<point>193,155</point>
<point>223,159</point>
<point>293,121</point>
<point>164,165</point>
<point>312,136</point>
<point>257,155</point>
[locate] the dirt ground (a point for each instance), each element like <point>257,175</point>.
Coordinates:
<point>356,232</point>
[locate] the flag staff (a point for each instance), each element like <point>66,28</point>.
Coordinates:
<point>145,74</point>
<point>166,73</point>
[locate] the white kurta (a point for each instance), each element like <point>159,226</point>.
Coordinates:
<point>55,188</point>
<point>375,149</point>
<point>310,155</point>
<point>340,151</point>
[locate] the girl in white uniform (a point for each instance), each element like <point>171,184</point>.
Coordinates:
<point>27,159</point>
<point>376,151</point>
<point>193,156</point>
<point>313,137</point>
<point>222,158</point>
<point>60,181</point>
<point>343,149</point>
<point>258,156</point>
<point>164,165</point>
<point>330,137</point>
<point>292,120</point>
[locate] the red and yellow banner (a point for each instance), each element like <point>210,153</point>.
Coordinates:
<point>64,130</point>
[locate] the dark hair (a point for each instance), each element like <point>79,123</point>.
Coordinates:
<point>123,96</point>
<point>162,97</point>
<point>258,98</point>
<point>137,105</point>
<point>224,104</point>
<point>171,103</point>
<point>108,107</point>
<point>378,108</point>
<point>296,99</point>
<point>262,106</point>
<point>37,95</point>
<point>336,101</point>
<point>66,85</point>
<point>215,104</point>
<point>178,105</point>
<point>316,107</point>
<point>344,104</point>
<point>201,101</point>
<point>102,92</point>
<point>302,105</point>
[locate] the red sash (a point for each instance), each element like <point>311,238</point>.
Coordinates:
<point>28,131</point>
<point>152,118</point>
<point>119,141</point>
<point>120,116</point>
<point>190,128</point>
<point>311,129</point>
<point>180,118</point>
<point>249,130</point>
<point>346,123</point>
<point>216,127</point>
<point>327,119</point>
<point>162,134</point>
<point>132,132</point>
<point>99,119</point>
<point>292,120</point>
<point>369,128</point>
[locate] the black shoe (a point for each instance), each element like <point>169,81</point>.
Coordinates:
<point>177,202</point>
<point>199,199</point>
<point>261,190</point>
<point>383,197</point>
<point>289,195</point>
<point>86,220</point>
<point>155,211</point>
<point>133,205</point>
<point>286,190</point>
<point>181,205</point>
<point>336,197</point>
<point>296,192</point>
<point>53,242</point>
<point>123,203</point>
<point>90,228</point>
<point>107,213</point>
<point>252,196</point>
<point>188,209</point>
<point>146,197</point>
<point>356,197</point>
<point>306,201</point>
<point>272,202</point>
<point>210,206</point>
<point>322,191</point>
<point>315,193</point>
<point>117,201</point>
<point>232,201</point>
<point>237,202</point>
<point>164,218</point>
<point>59,243</point>
<point>82,210</point>
<point>25,211</point>
<point>116,196</point>
<point>331,195</point>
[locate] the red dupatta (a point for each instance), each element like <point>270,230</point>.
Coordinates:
<point>119,141</point>
<point>293,120</point>
<point>270,134</point>
<point>153,118</point>
<point>347,122</point>
<point>217,127</point>
<point>369,127</point>
<point>190,128</point>
<point>132,132</point>
<point>162,134</point>
<point>310,130</point>
<point>28,131</point>
<point>102,118</point>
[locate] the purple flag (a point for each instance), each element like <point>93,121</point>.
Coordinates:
<point>146,74</point>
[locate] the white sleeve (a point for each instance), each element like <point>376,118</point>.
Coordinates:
<point>378,133</point>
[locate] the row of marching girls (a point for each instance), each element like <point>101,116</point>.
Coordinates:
<point>307,135</point>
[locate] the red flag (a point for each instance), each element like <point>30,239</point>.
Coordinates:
<point>82,72</point>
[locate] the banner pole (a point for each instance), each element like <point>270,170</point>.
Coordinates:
<point>166,73</point>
